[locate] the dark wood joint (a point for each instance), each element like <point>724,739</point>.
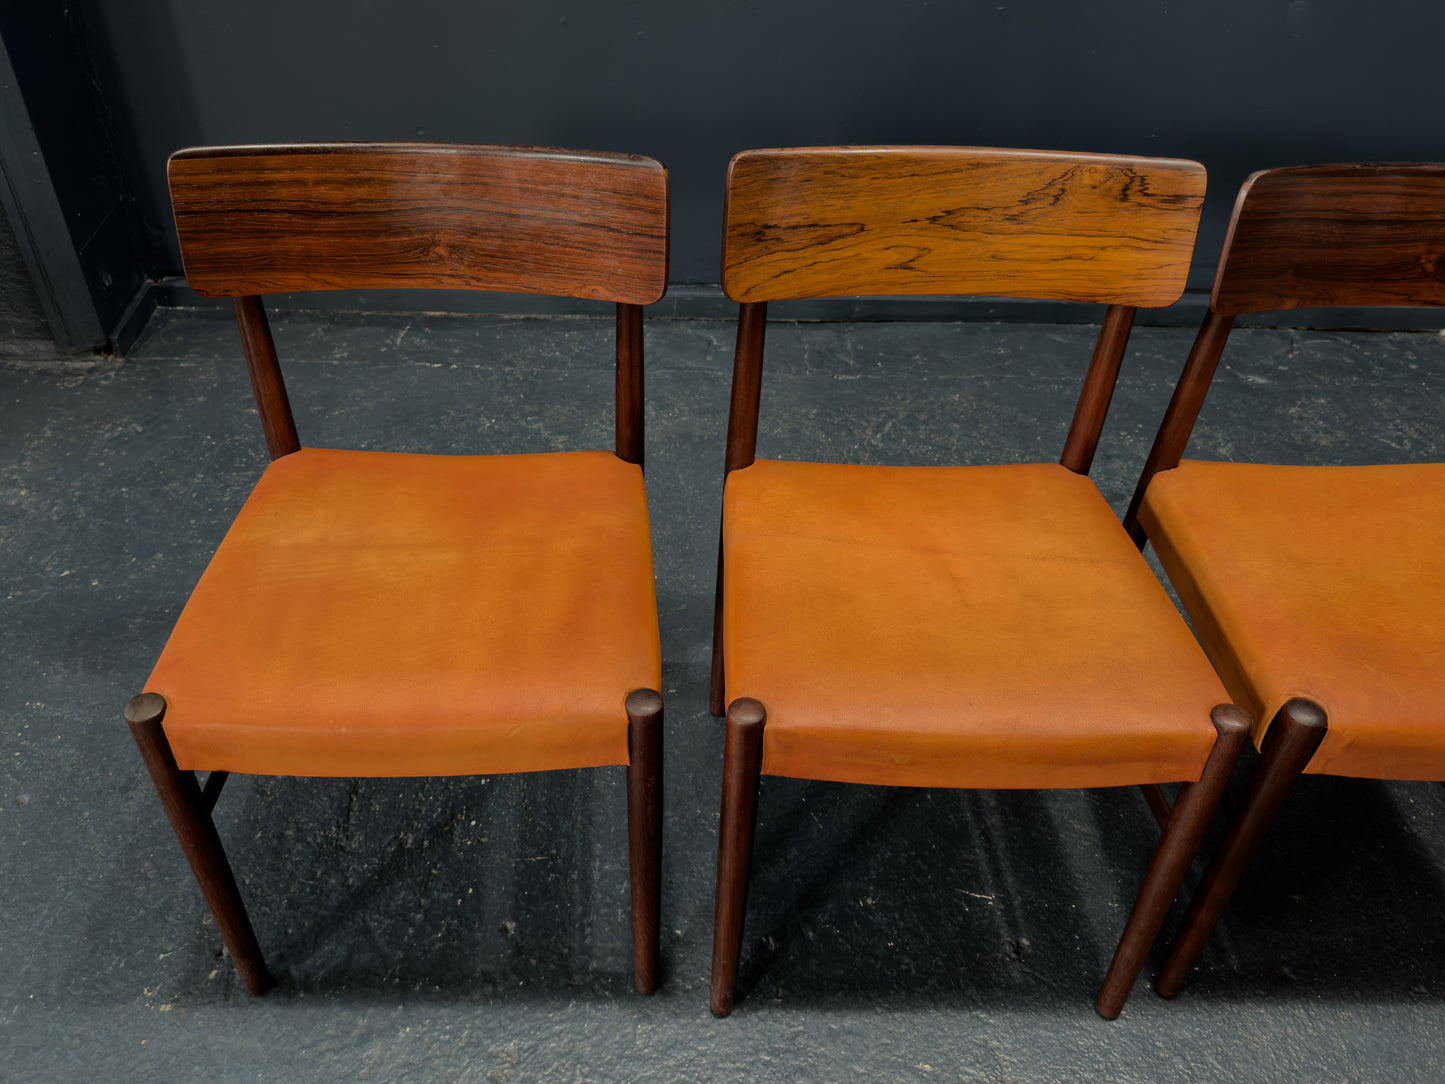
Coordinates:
<point>631,403</point>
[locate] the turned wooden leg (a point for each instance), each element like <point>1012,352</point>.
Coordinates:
<point>1185,828</point>
<point>742,766</point>
<point>189,814</point>
<point>644,831</point>
<point>1293,737</point>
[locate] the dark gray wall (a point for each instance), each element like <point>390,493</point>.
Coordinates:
<point>23,330</point>
<point>1238,84</point>
<point>63,187</point>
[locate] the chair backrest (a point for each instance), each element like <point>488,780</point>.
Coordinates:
<point>1309,237</point>
<point>843,221</point>
<point>1320,236</point>
<point>336,216</point>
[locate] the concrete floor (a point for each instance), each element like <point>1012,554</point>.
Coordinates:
<point>476,929</point>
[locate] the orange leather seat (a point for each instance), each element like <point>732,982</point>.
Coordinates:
<point>1338,607</point>
<point>317,642</point>
<point>976,626</point>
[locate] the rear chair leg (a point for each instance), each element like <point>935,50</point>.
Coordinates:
<point>188,812</point>
<point>1187,822</point>
<point>1293,737</point>
<point>742,766</point>
<point>644,831</point>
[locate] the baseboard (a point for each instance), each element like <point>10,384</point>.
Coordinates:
<point>687,301</point>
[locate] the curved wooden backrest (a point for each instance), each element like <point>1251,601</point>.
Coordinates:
<point>1316,236</point>
<point>336,216</point>
<point>844,221</point>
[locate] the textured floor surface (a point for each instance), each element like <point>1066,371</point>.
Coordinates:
<point>476,929</point>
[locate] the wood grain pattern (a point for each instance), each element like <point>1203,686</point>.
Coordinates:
<point>844,221</point>
<point>1316,236</point>
<point>263,219</point>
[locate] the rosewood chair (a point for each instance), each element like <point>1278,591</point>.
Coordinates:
<point>387,614</point>
<point>1318,591</point>
<point>968,626</point>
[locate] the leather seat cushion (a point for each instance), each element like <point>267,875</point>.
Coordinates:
<point>987,626</point>
<point>1320,582</point>
<point>382,614</point>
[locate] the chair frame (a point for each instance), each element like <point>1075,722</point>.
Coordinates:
<point>1183,824</point>
<point>1299,237</point>
<point>188,803</point>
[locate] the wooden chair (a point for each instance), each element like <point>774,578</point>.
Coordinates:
<point>974,626</point>
<point>386,614</point>
<point>1318,591</point>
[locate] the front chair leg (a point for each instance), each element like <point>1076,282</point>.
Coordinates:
<point>1293,737</point>
<point>1176,850</point>
<point>742,766</point>
<point>187,809</point>
<point>644,831</point>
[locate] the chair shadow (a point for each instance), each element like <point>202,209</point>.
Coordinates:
<point>459,887</point>
<point>1341,901</point>
<point>894,896</point>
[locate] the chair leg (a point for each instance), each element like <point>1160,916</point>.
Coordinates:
<point>1293,737</point>
<point>742,767</point>
<point>1187,822</point>
<point>184,805</point>
<point>644,831</point>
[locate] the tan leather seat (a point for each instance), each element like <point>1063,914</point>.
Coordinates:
<point>985,626</point>
<point>1319,582</point>
<point>318,643</point>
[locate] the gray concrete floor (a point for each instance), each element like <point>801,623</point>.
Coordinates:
<point>476,929</point>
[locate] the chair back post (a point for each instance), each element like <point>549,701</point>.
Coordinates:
<point>742,443</point>
<point>266,381</point>
<point>1098,390</point>
<point>629,383</point>
<point>254,220</point>
<point>1183,412</point>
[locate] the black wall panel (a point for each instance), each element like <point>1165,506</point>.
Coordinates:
<point>1238,84</point>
